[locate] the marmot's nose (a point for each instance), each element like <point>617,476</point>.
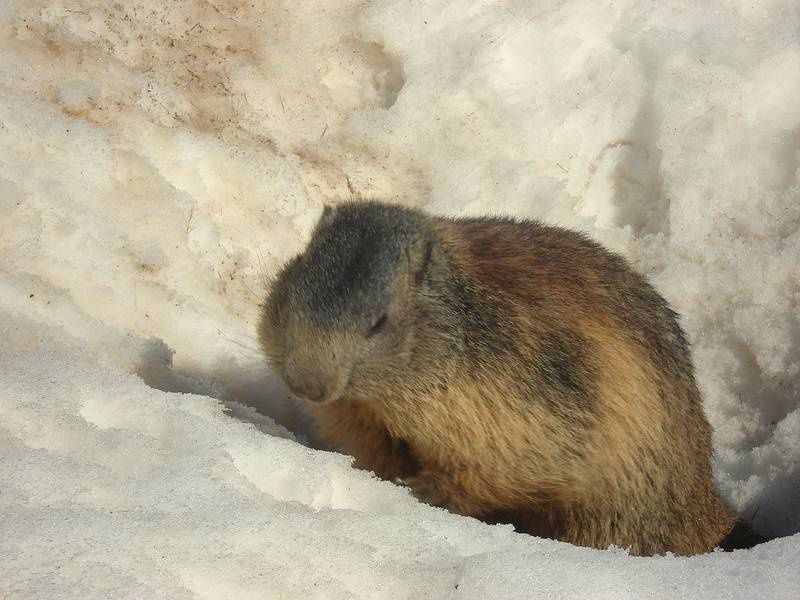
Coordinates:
<point>306,383</point>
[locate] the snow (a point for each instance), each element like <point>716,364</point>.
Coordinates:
<point>161,160</point>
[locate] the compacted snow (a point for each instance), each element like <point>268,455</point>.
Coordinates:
<point>160,160</point>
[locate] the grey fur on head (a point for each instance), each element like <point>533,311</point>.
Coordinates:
<point>356,279</point>
<point>347,270</point>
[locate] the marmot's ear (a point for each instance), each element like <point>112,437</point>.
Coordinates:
<point>419,254</point>
<point>326,216</point>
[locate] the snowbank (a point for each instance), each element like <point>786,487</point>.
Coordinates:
<point>160,160</point>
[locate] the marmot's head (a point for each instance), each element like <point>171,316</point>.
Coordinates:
<point>341,316</point>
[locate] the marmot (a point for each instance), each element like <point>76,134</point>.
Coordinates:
<point>503,369</point>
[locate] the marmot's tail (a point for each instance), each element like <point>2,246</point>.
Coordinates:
<point>741,537</point>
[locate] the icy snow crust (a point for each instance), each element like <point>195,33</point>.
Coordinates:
<point>160,160</point>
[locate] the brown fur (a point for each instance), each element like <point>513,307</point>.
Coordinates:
<point>568,408</point>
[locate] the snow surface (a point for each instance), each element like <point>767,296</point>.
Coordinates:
<point>159,160</point>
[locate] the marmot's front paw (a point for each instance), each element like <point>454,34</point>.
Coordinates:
<point>426,487</point>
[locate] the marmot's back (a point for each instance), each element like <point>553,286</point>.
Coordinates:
<point>544,265</point>
<point>506,370</point>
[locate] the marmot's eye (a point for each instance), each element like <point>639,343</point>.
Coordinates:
<point>377,326</point>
